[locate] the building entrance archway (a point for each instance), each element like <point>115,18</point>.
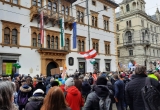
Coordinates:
<point>50,66</point>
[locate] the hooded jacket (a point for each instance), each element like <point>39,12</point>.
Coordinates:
<point>34,103</point>
<point>74,98</point>
<point>25,89</point>
<point>92,102</point>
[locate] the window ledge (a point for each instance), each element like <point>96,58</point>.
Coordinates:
<point>10,45</point>
<point>12,4</point>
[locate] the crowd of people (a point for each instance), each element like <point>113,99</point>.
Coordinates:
<point>90,91</point>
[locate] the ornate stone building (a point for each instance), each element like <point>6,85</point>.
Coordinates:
<point>20,35</point>
<point>138,38</point>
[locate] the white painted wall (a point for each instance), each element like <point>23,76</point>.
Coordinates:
<point>30,59</point>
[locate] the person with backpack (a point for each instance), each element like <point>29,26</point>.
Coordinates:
<point>98,99</point>
<point>25,92</point>
<point>133,90</point>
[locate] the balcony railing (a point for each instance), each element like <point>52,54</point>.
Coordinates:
<point>134,42</point>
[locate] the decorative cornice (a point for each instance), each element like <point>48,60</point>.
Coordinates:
<point>109,3</point>
<point>9,22</point>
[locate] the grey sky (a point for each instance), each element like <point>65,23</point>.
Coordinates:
<point>151,6</point>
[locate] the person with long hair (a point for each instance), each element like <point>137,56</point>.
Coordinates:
<point>7,89</point>
<point>55,100</point>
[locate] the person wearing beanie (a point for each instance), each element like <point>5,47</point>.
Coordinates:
<point>99,91</point>
<point>40,85</point>
<point>36,101</point>
<point>73,95</point>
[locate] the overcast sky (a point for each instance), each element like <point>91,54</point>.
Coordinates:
<point>151,6</point>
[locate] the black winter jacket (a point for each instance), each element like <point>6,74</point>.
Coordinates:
<point>133,91</point>
<point>34,103</point>
<point>92,102</point>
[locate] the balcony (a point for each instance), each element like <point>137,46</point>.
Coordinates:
<point>137,42</point>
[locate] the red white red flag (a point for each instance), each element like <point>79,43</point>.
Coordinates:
<point>42,27</point>
<point>89,54</point>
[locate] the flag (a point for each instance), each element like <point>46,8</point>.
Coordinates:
<point>74,35</point>
<point>62,32</point>
<point>42,27</point>
<point>89,54</point>
<point>89,66</point>
<point>92,61</point>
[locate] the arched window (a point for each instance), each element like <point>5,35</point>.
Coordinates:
<point>63,9</point>
<point>7,35</point>
<point>127,8</point>
<point>15,1</point>
<point>49,5</point>
<point>105,24</point>
<point>117,27</point>
<point>143,36</point>
<point>39,41</point>
<point>108,49</point>
<point>52,42</point>
<point>56,42</point>
<point>39,3</point>
<point>79,46</point>
<point>92,20</point>
<point>97,47</point>
<point>48,41</point>
<point>128,33</point>
<point>14,36</point>
<point>130,24</point>
<point>54,7</point>
<point>67,44</point>
<point>82,15</point>
<point>82,46</point>
<point>67,11</point>
<point>96,21</point>
<point>94,46</point>
<point>34,40</point>
<point>78,16</point>
<point>34,2</point>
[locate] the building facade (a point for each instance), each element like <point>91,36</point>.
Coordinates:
<point>20,35</point>
<point>138,38</point>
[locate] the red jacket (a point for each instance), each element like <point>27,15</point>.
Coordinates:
<point>74,98</point>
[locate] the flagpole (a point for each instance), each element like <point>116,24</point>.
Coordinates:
<point>87,7</point>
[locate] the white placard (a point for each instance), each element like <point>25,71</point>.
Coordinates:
<point>61,68</point>
<point>89,66</point>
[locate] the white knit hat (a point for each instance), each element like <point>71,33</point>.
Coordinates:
<point>69,82</point>
<point>38,91</point>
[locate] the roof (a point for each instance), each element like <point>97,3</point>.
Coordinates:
<point>71,1</point>
<point>153,17</point>
<point>112,2</point>
<point>126,1</point>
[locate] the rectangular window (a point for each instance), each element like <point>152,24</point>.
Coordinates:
<point>118,40</point>
<point>94,2</point>
<point>15,1</point>
<point>142,23</point>
<point>117,27</point>
<point>118,53</point>
<point>155,29</point>
<point>34,42</point>
<point>130,52</point>
<point>105,7</point>
<point>107,47</point>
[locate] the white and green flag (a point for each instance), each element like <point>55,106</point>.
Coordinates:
<point>62,32</point>
<point>92,61</point>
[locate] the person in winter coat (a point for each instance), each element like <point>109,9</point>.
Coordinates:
<point>99,90</point>
<point>119,92</point>
<point>133,88</point>
<point>78,82</point>
<point>36,101</point>
<point>86,87</point>
<point>25,92</point>
<point>40,85</point>
<point>55,100</point>
<point>73,95</point>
